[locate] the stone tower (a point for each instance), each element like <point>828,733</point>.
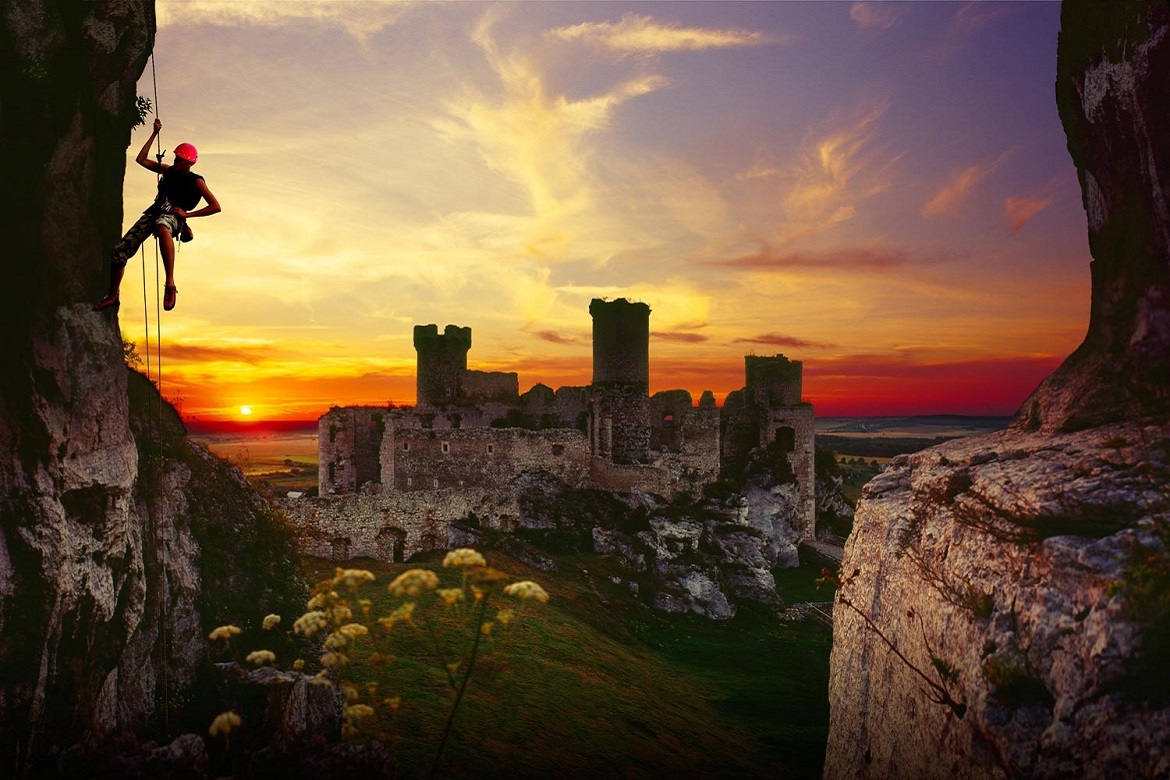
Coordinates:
<point>442,359</point>
<point>774,385</point>
<point>619,428</point>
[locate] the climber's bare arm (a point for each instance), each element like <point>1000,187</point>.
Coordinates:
<point>143,157</point>
<point>212,206</point>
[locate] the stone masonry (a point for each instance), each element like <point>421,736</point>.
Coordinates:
<point>472,434</point>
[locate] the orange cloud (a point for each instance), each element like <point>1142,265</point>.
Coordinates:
<point>955,191</point>
<point>842,162</point>
<point>1018,211</point>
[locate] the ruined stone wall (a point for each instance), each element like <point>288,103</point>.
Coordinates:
<point>349,442</point>
<point>689,433</point>
<point>441,362</point>
<point>571,406</point>
<point>393,526</point>
<point>567,407</point>
<point>629,478</point>
<point>483,457</point>
<point>798,419</point>
<point>477,387</point>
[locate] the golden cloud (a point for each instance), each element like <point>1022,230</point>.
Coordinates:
<point>645,35</point>
<point>358,19</point>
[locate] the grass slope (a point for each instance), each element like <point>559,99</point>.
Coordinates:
<point>594,685</point>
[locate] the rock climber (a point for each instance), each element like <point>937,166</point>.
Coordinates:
<point>179,191</point>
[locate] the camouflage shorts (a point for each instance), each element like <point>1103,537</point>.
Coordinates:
<point>140,231</point>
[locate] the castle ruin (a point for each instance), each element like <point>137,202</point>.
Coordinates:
<point>473,430</point>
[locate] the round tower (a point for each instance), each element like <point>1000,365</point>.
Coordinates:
<point>621,342</point>
<point>620,394</point>
<point>442,359</point>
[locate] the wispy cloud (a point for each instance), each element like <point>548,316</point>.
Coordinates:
<point>968,20</point>
<point>842,161</point>
<point>1019,211</point>
<point>680,337</point>
<point>645,35</point>
<point>780,340</point>
<point>952,194</point>
<point>877,16</point>
<point>535,137</point>
<point>561,338</point>
<point>859,259</point>
<point>360,20</point>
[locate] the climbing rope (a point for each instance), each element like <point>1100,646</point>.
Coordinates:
<point>164,598</point>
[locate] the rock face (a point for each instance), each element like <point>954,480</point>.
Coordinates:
<point>1113,75</point>
<point>1005,601</point>
<point>111,524</point>
<point>994,621</point>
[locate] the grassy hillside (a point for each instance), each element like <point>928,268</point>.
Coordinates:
<point>594,685</point>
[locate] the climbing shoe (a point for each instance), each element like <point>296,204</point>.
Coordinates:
<point>169,297</point>
<point>107,302</point>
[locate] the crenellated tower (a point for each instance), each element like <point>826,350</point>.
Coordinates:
<point>442,360</point>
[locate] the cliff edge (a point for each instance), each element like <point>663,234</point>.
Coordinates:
<point>119,540</point>
<point>1004,601</point>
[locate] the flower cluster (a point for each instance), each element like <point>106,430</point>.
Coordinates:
<point>413,583</point>
<point>464,557</point>
<point>224,723</point>
<point>223,632</point>
<point>456,620</point>
<point>527,590</point>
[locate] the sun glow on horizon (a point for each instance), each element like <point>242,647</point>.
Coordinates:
<point>245,411</point>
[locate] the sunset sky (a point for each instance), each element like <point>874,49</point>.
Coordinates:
<point>880,190</point>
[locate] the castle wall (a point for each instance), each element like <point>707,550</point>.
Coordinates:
<point>477,387</point>
<point>430,459</point>
<point>349,443</point>
<point>393,526</point>
<point>798,420</point>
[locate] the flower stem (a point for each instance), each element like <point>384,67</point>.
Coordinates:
<point>462,686</point>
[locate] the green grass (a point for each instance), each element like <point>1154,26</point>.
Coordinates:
<point>594,685</point>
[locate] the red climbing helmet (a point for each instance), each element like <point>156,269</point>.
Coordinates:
<point>187,152</point>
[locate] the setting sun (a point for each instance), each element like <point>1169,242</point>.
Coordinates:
<point>245,410</point>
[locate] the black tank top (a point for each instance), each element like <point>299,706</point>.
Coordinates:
<point>178,189</point>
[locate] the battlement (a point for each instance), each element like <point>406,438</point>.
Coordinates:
<point>775,381</point>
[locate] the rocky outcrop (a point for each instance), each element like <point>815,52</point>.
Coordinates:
<point>1113,75</point>
<point>996,617</point>
<point>1004,606</point>
<point>119,540</point>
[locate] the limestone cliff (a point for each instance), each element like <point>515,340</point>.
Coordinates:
<point>1004,608</point>
<point>111,523</point>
